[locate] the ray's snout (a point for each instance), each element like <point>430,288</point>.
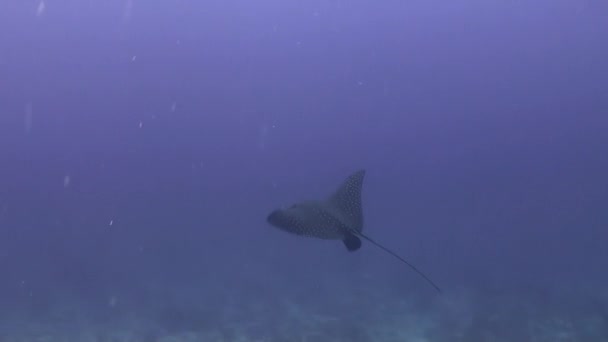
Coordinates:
<point>276,218</point>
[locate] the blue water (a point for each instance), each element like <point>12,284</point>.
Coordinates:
<point>144,143</point>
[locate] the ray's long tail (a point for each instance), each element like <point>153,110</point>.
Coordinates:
<point>401,259</point>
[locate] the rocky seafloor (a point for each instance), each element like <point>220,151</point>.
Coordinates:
<point>309,316</point>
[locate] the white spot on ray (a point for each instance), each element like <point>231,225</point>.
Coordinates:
<point>173,106</point>
<point>66,181</point>
<point>133,58</point>
<point>111,222</point>
<point>141,124</point>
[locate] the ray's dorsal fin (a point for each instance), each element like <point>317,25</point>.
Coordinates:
<point>347,201</point>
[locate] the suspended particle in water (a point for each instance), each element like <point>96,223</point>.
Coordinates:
<point>113,301</point>
<point>41,8</point>
<point>173,106</point>
<point>133,58</point>
<point>141,124</point>
<point>126,14</point>
<point>262,136</point>
<point>385,90</point>
<point>66,181</point>
<point>28,118</point>
<point>111,222</point>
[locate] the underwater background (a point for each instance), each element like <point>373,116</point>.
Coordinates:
<point>144,143</point>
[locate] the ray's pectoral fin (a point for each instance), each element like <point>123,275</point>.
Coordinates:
<point>346,201</point>
<point>352,242</point>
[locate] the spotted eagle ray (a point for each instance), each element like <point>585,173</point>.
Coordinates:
<point>340,217</point>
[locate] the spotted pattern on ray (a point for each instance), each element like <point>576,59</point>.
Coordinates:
<point>331,219</point>
<point>347,201</point>
<point>308,219</point>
